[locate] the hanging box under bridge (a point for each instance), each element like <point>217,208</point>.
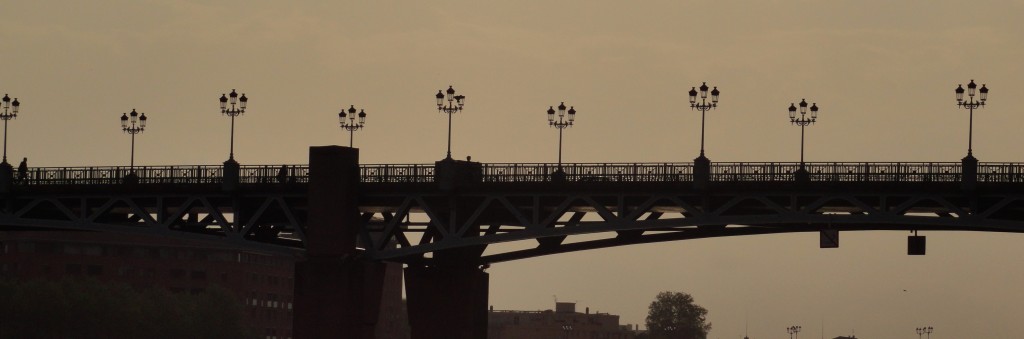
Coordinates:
<point>915,245</point>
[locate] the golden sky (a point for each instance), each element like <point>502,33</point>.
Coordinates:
<point>883,73</point>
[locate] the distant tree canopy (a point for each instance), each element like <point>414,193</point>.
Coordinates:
<point>675,315</point>
<point>92,309</point>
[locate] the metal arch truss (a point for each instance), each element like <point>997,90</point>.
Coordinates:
<point>265,221</point>
<point>407,227</point>
<point>415,221</point>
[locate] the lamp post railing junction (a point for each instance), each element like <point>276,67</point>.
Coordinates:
<point>925,330</point>
<point>703,107</point>
<point>793,331</point>
<point>133,123</point>
<point>352,125</point>
<point>10,111</point>
<point>803,121</point>
<point>454,105</point>
<point>971,104</point>
<point>561,124</point>
<point>237,108</point>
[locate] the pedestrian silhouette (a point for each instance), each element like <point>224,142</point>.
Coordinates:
<point>23,171</point>
<point>282,174</point>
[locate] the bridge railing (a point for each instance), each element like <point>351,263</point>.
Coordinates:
<point>196,174</point>
<point>589,172</point>
<point>396,173</point>
<point>116,175</point>
<point>542,172</point>
<point>1000,172</point>
<point>838,171</point>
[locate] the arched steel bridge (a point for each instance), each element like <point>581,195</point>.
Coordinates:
<point>410,213</point>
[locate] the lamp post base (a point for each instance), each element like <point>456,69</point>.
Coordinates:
<point>701,172</point>
<point>558,175</point>
<point>801,175</point>
<point>231,173</point>
<point>131,178</point>
<point>6,177</point>
<point>969,172</point>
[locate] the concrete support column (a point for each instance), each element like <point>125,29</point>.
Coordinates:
<point>336,294</point>
<point>447,302</point>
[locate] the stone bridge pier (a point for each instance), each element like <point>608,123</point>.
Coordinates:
<point>338,294</point>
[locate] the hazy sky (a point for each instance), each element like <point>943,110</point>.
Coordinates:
<point>883,73</point>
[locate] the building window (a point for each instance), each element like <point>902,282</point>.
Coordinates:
<point>94,270</point>
<point>93,251</point>
<point>177,274</point>
<point>198,275</point>
<point>73,269</point>
<point>26,247</point>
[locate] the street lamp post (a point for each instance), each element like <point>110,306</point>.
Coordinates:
<point>971,104</point>
<point>10,112</point>
<point>351,125</point>
<point>561,124</point>
<point>454,105</point>
<point>133,123</point>
<point>702,165</point>
<point>793,330</point>
<point>703,107</point>
<point>802,121</point>
<point>237,108</point>
<point>925,330</point>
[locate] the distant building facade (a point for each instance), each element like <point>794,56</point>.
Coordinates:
<point>263,282</point>
<point>563,322</point>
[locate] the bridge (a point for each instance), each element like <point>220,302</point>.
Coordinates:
<point>443,220</point>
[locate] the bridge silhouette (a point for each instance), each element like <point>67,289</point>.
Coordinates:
<point>441,219</point>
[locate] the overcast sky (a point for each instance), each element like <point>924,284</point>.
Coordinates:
<point>883,73</point>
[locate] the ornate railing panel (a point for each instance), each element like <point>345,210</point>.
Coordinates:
<point>539,172</point>
<point>272,174</point>
<point>1000,172</point>
<point>838,172</point>
<point>197,174</point>
<point>629,172</point>
<point>396,173</point>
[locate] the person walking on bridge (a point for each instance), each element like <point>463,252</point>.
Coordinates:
<point>23,171</point>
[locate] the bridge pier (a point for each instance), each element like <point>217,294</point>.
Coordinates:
<point>336,293</point>
<point>447,297</point>
<point>447,302</point>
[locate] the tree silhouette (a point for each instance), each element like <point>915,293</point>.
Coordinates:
<point>675,315</point>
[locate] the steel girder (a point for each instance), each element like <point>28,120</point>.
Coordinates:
<point>265,220</point>
<point>413,222</point>
<point>564,218</point>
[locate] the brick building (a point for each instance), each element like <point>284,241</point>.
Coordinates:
<point>563,322</point>
<point>262,281</point>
